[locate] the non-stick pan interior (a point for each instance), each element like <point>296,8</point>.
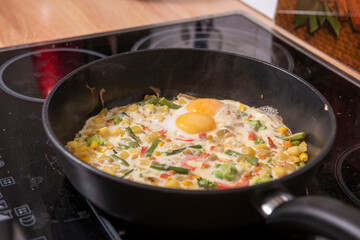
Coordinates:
<point>126,78</point>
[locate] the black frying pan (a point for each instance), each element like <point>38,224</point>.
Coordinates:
<point>126,78</point>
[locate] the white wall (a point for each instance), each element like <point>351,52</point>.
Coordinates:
<point>267,7</point>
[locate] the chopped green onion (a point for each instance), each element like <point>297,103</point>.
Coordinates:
<point>168,168</point>
<point>123,161</point>
<point>176,151</point>
<point>169,103</point>
<point>151,149</point>
<point>127,173</point>
<point>132,134</point>
<point>294,137</point>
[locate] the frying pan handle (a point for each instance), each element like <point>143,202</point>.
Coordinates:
<point>315,214</point>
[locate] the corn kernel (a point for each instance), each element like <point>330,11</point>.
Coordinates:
<point>283,129</point>
<point>136,129</point>
<point>303,157</point>
<point>123,109</point>
<point>246,120</point>
<point>102,150</point>
<point>85,159</point>
<point>98,120</point>
<point>209,137</point>
<point>124,154</point>
<point>104,132</point>
<point>124,122</point>
<point>196,176</point>
<point>161,143</point>
<point>94,144</point>
<point>242,107</point>
<point>181,101</point>
<point>157,153</point>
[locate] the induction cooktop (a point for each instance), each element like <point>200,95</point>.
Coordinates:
<point>37,200</point>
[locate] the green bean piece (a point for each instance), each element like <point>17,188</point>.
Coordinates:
<point>176,151</point>
<point>127,173</point>
<point>295,143</point>
<point>294,137</point>
<point>124,114</point>
<point>132,134</point>
<point>123,161</point>
<point>169,103</point>
<point>250,159</point>
<point>151,149</point>
<point>232,153</point>
<point>130,145</point>
<point>153,100</point>
<point>207,184</point>
<point>196,146</point>
<point>168,168</point>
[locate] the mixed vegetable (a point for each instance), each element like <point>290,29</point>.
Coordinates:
<point>141,142</point>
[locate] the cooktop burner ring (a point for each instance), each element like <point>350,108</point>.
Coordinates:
<point>224,39</point>
<point>37,53</point>
<point>345,165</point>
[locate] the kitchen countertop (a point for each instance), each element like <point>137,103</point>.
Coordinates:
<point>26,21</point>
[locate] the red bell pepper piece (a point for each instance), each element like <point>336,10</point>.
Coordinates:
<point>271,143</point>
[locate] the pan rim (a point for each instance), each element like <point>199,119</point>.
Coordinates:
<point>57,144</point>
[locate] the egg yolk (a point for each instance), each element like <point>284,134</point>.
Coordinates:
<point>204,105</point>
<point>195,122</point>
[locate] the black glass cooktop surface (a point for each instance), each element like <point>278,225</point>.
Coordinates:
<point>34,192</point>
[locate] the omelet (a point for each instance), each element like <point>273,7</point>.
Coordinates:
<point>190,143</point>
